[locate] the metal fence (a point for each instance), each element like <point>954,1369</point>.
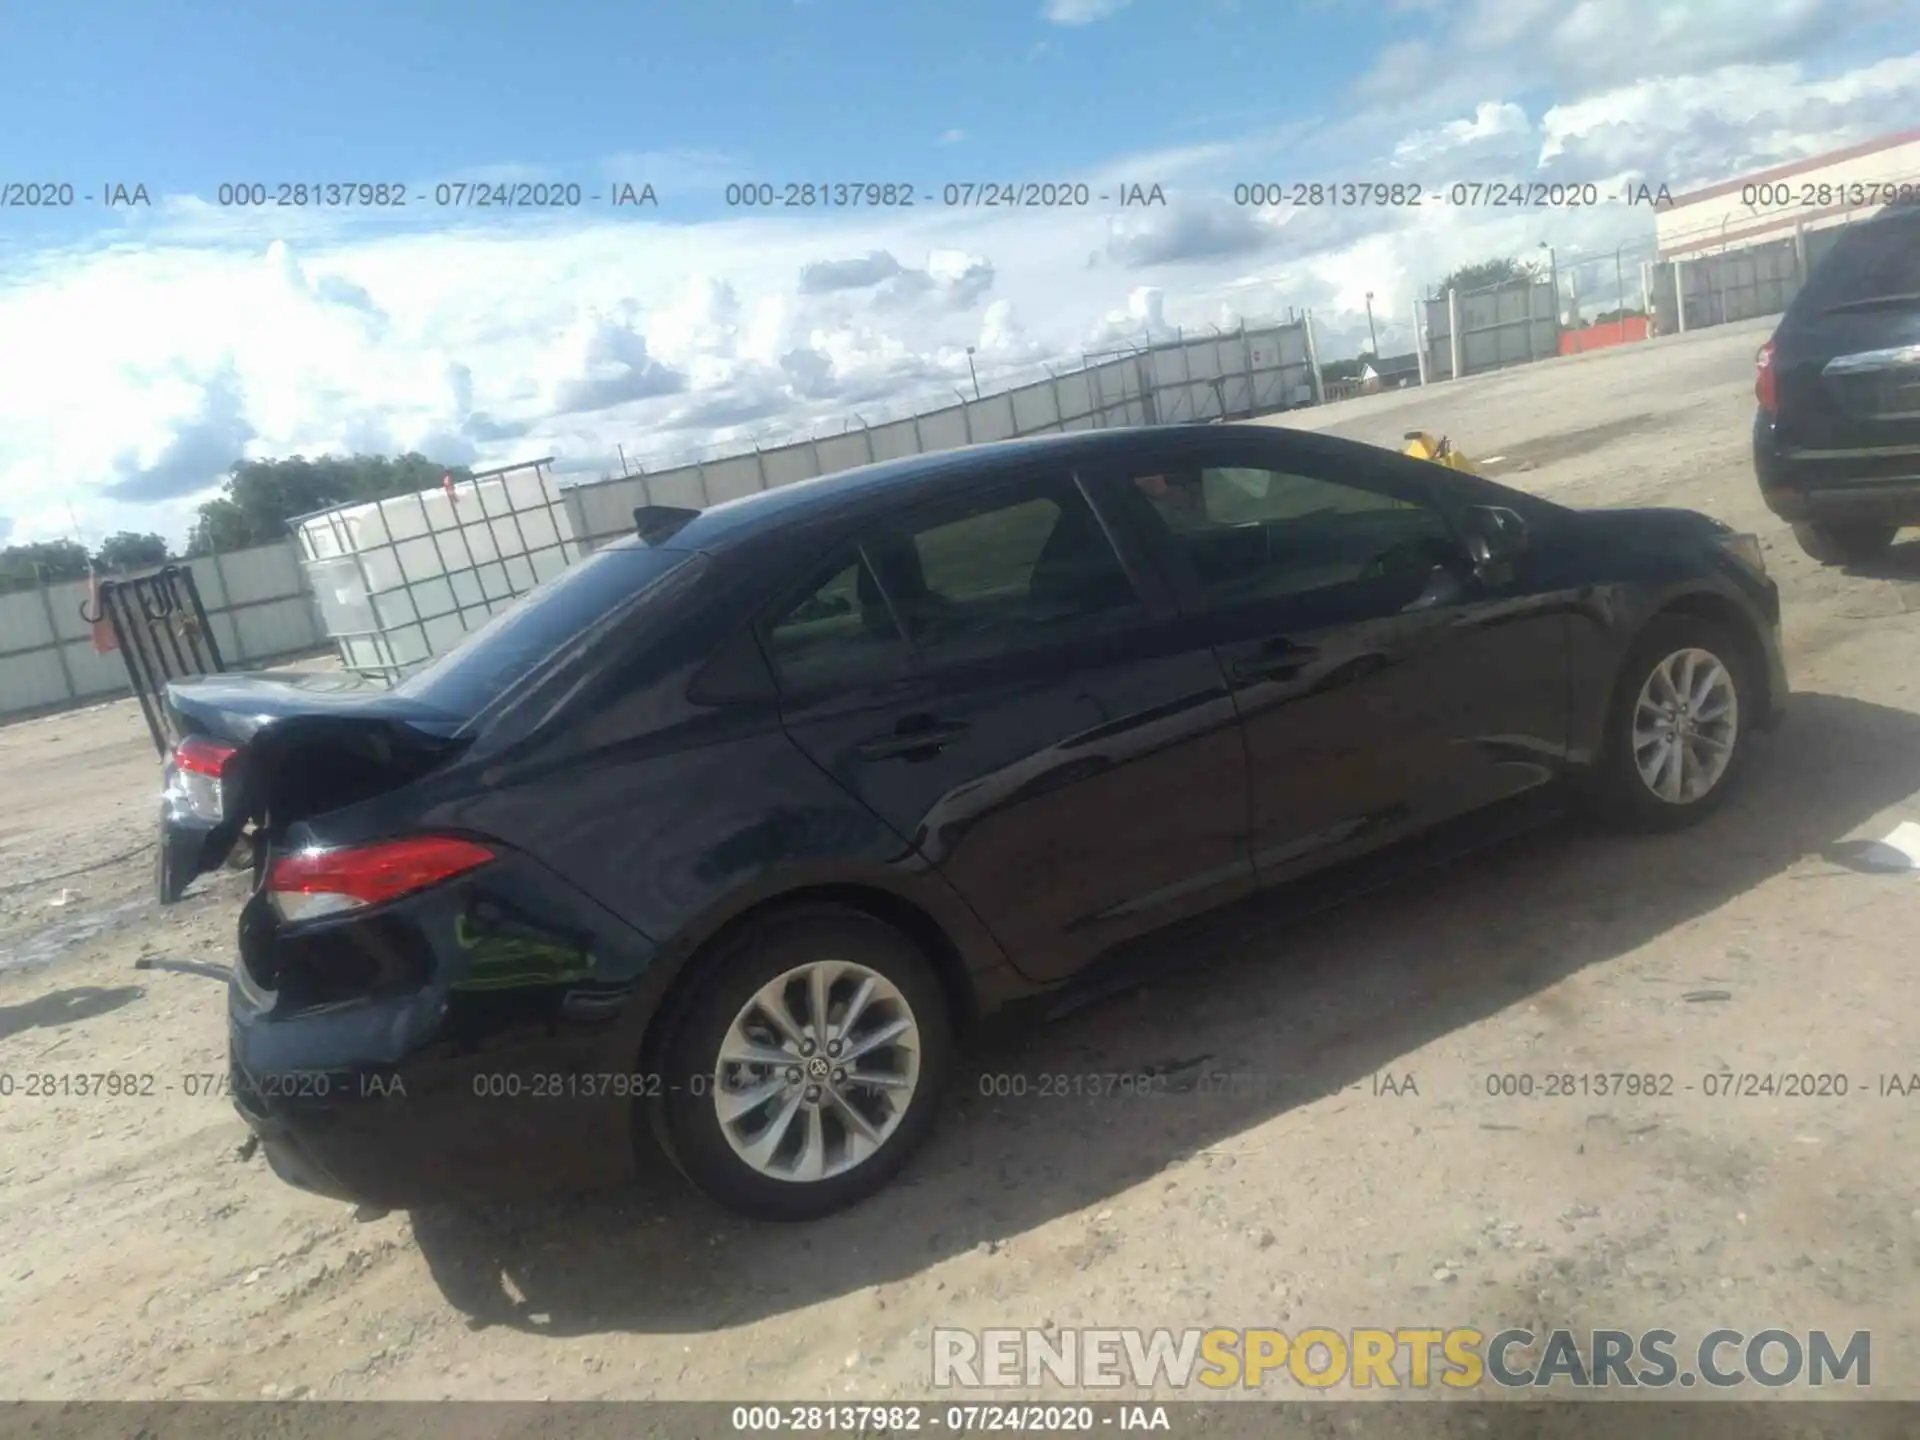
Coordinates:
<point>656,455</point>
<point>1606,282</point>
<point>1225,375</point>
<point>258,612</point>
<point>1739,283</point>
<point>1473,331</point>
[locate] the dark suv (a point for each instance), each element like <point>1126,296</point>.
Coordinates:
<point>1836,442</point>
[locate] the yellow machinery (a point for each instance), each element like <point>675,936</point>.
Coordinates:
<point>1423,446</point>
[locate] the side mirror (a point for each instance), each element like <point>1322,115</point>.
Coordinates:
<point>1494,535</point>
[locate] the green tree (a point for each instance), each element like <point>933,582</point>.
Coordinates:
<point>1345,369</point>
<point>42,562</point>
<point>128,551</point>
<point>261,496</point>
<point>1485,274</point>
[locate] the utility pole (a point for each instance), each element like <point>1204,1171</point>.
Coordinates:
<point>1370,331</point>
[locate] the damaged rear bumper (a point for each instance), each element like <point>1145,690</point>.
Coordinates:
<point>427,1131</point>
<point>457,1044</point>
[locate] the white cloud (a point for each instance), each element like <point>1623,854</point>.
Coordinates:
<point>1695,129</point>
<point>138,369</point>
<point>1003,338</point>
<point>1080,12</point>
<point>1143,319</point>
<point>601,363</point>
<point>1493,123</point>
<point>951,137</point>
<point>1211,229</point>
<point>1572,46</point>
<point>207,435</point>
<point>950,278</point>
<point>701,323</point>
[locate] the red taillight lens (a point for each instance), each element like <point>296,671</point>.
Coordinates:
<point>200,756</point>
<point>200,773</point>
<point>312,883</point>
<point>1765,385</point>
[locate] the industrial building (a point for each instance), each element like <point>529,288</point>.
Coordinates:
<point>1814,194</point>
<point>1743,247</point>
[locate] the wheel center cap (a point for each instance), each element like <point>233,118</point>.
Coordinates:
<point>818,1069</point>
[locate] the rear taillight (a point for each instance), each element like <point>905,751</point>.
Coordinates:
<point>307,884</point>
<point>1765,385</point>
<point>200,770</point>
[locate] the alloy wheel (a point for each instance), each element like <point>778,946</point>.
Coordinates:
<point>817,1071</point>
<point>1686,723</point>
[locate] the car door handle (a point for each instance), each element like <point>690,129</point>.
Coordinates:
<point>1279,662</point>
<point>914,735</point>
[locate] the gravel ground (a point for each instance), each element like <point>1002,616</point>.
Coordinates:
<point>141,1258</point>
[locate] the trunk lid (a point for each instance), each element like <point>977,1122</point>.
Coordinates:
<point>276,749</point>
<point>252,754</point>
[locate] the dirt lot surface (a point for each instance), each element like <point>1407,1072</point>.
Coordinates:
<point>141,1258</point>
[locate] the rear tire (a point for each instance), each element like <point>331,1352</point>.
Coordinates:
<point>1847,544</point>
<point>803,1132</point>
<point>1677,728</point>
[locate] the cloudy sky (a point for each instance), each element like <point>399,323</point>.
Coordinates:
<point>144,347</point>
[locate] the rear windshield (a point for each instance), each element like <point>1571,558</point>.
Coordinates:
<point>509,645</point>
<point>1871,261</point>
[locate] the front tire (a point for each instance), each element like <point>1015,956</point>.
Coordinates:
<point>1677,730</point>
<point>1849,544</point>
<point>809,1066</point>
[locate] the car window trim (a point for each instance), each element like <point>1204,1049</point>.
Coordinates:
<point>844,551</point>
<point>1164,584</point>
<point>1138,556</point>
<point>1153,595</point>
<point>1242,452</point>
<point>1150,592</point>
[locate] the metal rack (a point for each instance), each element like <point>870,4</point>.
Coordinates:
<point>395,586</point>
<point>161,630</point>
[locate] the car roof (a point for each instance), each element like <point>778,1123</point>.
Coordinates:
<point>920,476</point>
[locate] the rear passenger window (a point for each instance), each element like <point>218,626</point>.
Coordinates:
<point>1874,259</point>
<point>1029,568</point>
<point>840,632</point>
<point>987,556</point>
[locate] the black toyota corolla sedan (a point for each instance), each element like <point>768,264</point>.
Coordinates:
<point>715,847</point>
